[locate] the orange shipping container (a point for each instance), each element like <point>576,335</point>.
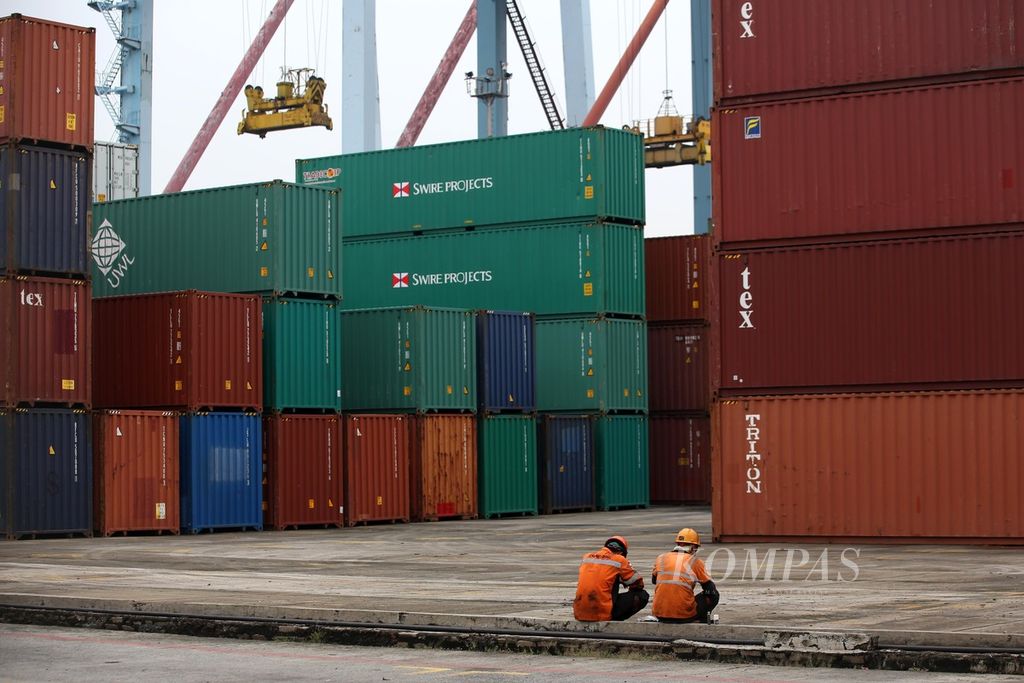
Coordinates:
<point>908,467</point>
<point>136,471</point>
<point>302,471</point>
<point>444,467</point>
<point>376,468</point>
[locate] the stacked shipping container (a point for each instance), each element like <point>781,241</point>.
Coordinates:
<point>862,345</point>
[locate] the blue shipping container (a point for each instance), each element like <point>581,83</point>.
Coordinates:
<point>505,361</point>
<point>221,471</point>
<point>44,207</point>
<point>567,463</point>
<point>45,472</point>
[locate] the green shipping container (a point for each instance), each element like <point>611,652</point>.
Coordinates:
<point>412,359</point>
<point>596,364</point>
<point>583,268</point>
<point>579,174</point>
<point>301,354</point>
<point>271,238</point>
<point>621,461</point>
<point>507,465</point>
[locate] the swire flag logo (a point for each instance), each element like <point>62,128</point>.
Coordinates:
<point>399,190</point>
<point>399,280</point>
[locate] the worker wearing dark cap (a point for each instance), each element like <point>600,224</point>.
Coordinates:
<point>597,591</point>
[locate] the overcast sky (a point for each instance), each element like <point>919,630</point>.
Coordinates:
<point>197,46</point>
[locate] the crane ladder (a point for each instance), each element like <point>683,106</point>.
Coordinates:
<point>540,82</point>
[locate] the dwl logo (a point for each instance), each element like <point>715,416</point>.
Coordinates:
<point>752,127</point>
<point>399,280</point>
<point>399,190</point>
<point>107,247</point>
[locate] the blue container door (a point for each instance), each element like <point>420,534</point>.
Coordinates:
<point>221,471</point>
<point>506,361</point>
<point>49,472</point>
<point>568,469</point>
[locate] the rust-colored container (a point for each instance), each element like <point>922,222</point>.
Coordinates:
<point>680,459</point>
<point>135,461</point>
<point>938,467</point>
<point>376,468</point>
<point>780,47</point>
<point>676,269</point>
<point>302,472</point>
<point>190,350</point>
<point>864,164</point>
<point>872,315</point>
<point>443,467</point>
<point>48,70</point>
<point>679,376</point>
<point>45,339</point>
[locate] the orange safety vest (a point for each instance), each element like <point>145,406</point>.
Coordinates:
<point>675,576</point>
<point>594,590</point>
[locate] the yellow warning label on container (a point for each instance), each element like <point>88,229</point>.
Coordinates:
<point>309,272</point>
<point>248,386</point>
<point>161,510</point>
<point>589,177</point>
<point>312,504</point>
<point>695,304</point>
<point>639,394</point>
<point>588,289</point>
<point>67,384</point>
<point>561,468</point>
<point>407,343</point>
<point>688,361</point>
<point>1,66</point>
<point>590,393</point>
<point>330,503</point>
<point>625,392</point>
<point>449,389</point>
<point>52,452</point>
<point>264,506</point>
<point>177,361</point>
<point>684,462</point>
<point>511,398</point>
<point>590,352</point>
<point>330,274</point>
<point>586,274</point>
<point>408,366</point>
<point>406,391</point>
<point>1,114</point>
<point>178,335</point>
<point>53,185</point>
<point>465,391</point>
<point>177,385</point>
<point>70,121</point>
<point>101,197</point>
<point>264,220</point>
<point>590,372</point>
<point>588,192</point>
<point>227,385</point>
<point>380,500</point>
<point>263,247</point>
<point>1,87</point>
<point>696,285</point>
<point>264,271</point>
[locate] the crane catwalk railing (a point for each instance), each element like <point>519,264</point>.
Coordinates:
<point>540,82</point>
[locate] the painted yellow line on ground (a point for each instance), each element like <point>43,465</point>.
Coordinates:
<point>423,670</point>
<point>491,673</point>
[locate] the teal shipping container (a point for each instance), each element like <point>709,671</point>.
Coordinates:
<point>270,238</point>
<point>507,465</point>
<point>579,174</point>
<point>414,359</point>
<point>594,364</point>
<point>622,463</point>
<point>583,268</point>
<point>301,354</point>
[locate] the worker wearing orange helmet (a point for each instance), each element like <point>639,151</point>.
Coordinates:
<point>676,574</point>
<point>597,591</point>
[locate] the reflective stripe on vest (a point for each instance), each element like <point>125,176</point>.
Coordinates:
<point>682,570</point>
<point>610,563</point>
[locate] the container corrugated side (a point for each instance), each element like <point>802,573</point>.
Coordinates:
<point>221,483</point>
<point>621,458</point>
<point>507,457</point>
<point>679,367</point>
<point>680,459</point>
<point>49,71</point>
<point>444,467</point>
<point>779,48</point>
<point>44,210</point>
<point>575,174</point>
<point>47,458</point>
<point>907,467</point>
<point>136,485</point>
<point>270,238</point>
<point>566,463</point>
<point>919,312</point>
<point>592,364</point>
<point>115,171</point>
<point>301,354</point>
<point>506,361</point>
<point>189,350</point>
<point>409,359</point>
<point>377,453</point>
<point>302,460</point>
<point>801,172</point>
<point>677,271</point>
<point>45,350</point>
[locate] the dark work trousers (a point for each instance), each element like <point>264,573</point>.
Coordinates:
<point>705,604</point>
<point>625,605</point>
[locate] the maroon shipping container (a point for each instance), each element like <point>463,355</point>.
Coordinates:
<point>873,315</point>
<point>302,471</point>
<point>679,369</point>
<point>675,269</point>
<point>818,170</point>
<point>902,467</point>
<point>48,70</point>
<point>190,350</point>
<point>376,468</point>
<point>443,475</point>
<point>136,475</point>
<point>680,459</point>
<point>45,335</point>
<point>783,46</point>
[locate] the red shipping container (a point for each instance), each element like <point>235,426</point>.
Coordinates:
<point>680,459</point>
<point>45,334</point>
<point>784,46</point>
<point>376,468</point>
<point>136,474</point>
<point>48,70</point>
<point>443,476</point>
<point>873,315</point>
<point>190,350</point>
<point>843,167</point>
<point>302,471</point>
<point>679,369</point>
<point>675,268</point>
<point>938,467</point>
